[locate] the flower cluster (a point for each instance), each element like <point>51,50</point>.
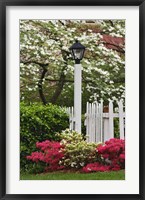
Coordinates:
<point>95,167</point>
<point>112,157</point>
<point>70,136</point>
<point>77,155</point>
<point>113,152</point>
<point>51,154</point>
<point>77,152</point>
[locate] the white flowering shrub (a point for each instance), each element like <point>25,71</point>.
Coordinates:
<point>77,152</point>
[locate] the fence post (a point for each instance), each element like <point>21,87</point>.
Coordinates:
<point>111,120</point>
<point>121,121</point>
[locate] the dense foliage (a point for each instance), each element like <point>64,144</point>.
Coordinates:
<point>39,123</point>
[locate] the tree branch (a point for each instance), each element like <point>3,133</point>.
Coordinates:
<point>34,62</point>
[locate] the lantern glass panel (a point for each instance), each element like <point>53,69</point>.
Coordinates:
<point>78,53</point>
<point>72,53</point>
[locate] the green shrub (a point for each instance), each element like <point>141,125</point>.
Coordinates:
<point>39,123</point>
<point>77,152</point>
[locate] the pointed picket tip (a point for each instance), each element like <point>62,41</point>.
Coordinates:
<point>120,102</point>
<point>101,101</point>
<point>111,101</point>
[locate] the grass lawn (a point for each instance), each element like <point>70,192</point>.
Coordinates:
<point>114,175</point>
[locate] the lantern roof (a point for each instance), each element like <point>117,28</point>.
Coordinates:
<point>77,45</point>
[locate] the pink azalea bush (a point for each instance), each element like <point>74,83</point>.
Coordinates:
<point>51,154</point>
<point>112,157</point>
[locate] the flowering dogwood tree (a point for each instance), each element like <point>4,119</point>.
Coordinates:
<point>47,68</point>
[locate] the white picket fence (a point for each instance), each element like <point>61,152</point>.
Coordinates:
<point>99,124</point>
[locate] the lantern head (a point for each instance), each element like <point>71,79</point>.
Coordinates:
<point>77,51</point>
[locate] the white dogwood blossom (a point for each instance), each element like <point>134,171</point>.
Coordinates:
<point>44,44</point>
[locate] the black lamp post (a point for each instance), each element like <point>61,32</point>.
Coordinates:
<point>77,51</point>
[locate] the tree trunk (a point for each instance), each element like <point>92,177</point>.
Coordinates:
<point>41,87</point>
<point>58,89</point>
